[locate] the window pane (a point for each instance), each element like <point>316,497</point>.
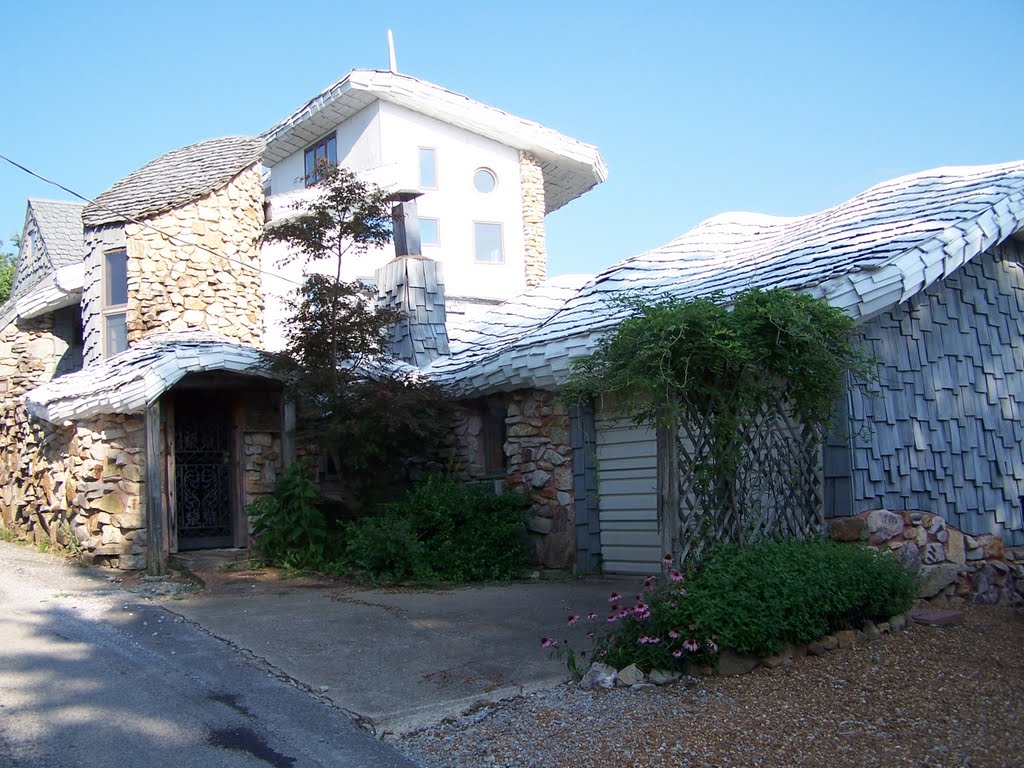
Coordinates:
<point>429,232</point>
<point>332,150</point>
<point>428,168</point>
<point>115,334</point>
<point>484,180</point>
<point>115,279</point>
<point>488,242</point>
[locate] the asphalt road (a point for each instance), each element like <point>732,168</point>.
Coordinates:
<point>93,676</point>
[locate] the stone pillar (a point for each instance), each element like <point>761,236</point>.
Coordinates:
<point>535,262</point>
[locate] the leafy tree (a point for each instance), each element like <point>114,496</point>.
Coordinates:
<point>353,402</point>
<point>7,261</point>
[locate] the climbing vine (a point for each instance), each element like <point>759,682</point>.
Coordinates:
<point>675,361</point>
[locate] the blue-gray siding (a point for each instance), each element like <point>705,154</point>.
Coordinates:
<point>945,433</point>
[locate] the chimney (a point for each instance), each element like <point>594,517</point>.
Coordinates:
<point>414,284</point>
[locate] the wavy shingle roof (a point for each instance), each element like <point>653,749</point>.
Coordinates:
<point>865,256</point>
<point>174,179</point>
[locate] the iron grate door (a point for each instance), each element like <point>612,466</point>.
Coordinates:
<point>202,483</point>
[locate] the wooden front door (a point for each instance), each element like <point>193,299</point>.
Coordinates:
<point>203,478</point>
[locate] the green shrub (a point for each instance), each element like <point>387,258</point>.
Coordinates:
<point>289,527</point>
<point>460,533</point>
<point>385,548</point>
<point>754,599</point>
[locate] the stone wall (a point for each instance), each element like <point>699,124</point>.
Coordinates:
<point>951,564</point>
<point>539,457</point>
<point>534,239</point>
<point>175,285</point>
<point>261,464</point>
<point>74,486</point>
<point>538,463</point>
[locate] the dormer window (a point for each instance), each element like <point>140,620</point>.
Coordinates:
<point>428,168</point>
<point>323,152</point>
<point>115,302</point>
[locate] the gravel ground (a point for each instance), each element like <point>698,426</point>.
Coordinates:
<point>949,696</point>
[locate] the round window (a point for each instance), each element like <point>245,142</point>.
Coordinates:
<point>484,180</point>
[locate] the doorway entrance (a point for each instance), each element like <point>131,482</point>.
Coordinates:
<point>203,476</point>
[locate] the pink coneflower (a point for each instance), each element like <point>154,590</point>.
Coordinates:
<point>668,558</point>
<point>691,645</point>
<point>677,654</point>
<point>573,619</point>
<point>590,635</point>
<point>613,617</point>
<point>674,575</point>
<point>712,646</point>
<point>649,582</point>
<point>614,597</point>
<point>548,642</point>
<point>674,634</point>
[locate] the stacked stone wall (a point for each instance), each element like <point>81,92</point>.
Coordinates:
<point>531,178</point>
<point>465,442</point>
<point>539,464</point>
<point>78,487</point>
<point>179,284</point>
<point>262,462</point>
<point>952,565</point>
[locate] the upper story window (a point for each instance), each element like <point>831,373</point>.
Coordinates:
<point>488,242</point>
<point>430,232</point>
<point>484,180</point>
<point>324,151</point>
<point>428,168</point>
<point>115,302</point>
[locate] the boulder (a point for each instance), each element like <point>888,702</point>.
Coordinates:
<point>847,528</point>
<point>663,676</point>
<point>732,663</point>
<point>871,632</point>
<point>935,578</point>
<point>778,659</point>
<point>598,676</point>
<point>628,676</point>
<point>830,642</point>
<point>955,552</point>
<point>846,638</point>
<point>883,525</point>
<point>992,545</point>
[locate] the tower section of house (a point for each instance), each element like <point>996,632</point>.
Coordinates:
<point>486,180</point>
<point>174,246</point>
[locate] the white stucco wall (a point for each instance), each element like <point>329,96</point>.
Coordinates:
<point>382,144</point>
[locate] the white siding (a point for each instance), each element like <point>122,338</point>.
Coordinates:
<point>627,493</point>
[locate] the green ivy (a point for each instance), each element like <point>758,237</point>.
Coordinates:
<point>677,361</point>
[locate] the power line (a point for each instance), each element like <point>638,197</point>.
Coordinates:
<point>174,239</point>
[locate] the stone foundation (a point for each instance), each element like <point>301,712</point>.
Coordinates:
<point>950,563</point>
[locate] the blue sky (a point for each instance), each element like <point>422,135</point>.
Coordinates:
<point>697,107</point>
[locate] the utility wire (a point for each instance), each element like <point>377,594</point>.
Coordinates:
<point>174,239</point>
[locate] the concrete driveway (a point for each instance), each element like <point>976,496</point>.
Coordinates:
<point>397,660</point>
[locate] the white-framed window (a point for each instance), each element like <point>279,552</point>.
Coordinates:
<point>428,168</point>
<point>484,180</point>
<point>430,232</point>
<point>324,151</point>
<point>487,242</point>
<point>114,310</point>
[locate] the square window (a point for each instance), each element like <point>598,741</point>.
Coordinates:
<point>115,334</point>
<point>429,232</point>
<point>428,168</point>
<point>323,152</point>
<point>487,237</point>
<point>115,279</point>
<point>114,304</point>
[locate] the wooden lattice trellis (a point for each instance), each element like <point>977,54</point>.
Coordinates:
<point>776,491</point>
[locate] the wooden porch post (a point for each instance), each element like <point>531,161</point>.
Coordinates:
<point>156,529</point>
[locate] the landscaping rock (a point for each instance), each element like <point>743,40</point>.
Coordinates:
<point>884,525</point>
<point>778,659</point>
<point>830,642</point>
<point>598,676</point>
<point>641,686</point>
<point>870,631</point>
<point>816,648</point>
<point>847,528</point>
<point>898,622</point>
<point>732,663</point>
<point>846,638</point>
<point>663,676</point>
<point>935,618</point>
<point>935,578</point>
<point>629,676</point>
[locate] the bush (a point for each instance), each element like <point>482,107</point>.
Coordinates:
<point>289,527</point>
<point>754,599</point>
<point>444,531</point>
